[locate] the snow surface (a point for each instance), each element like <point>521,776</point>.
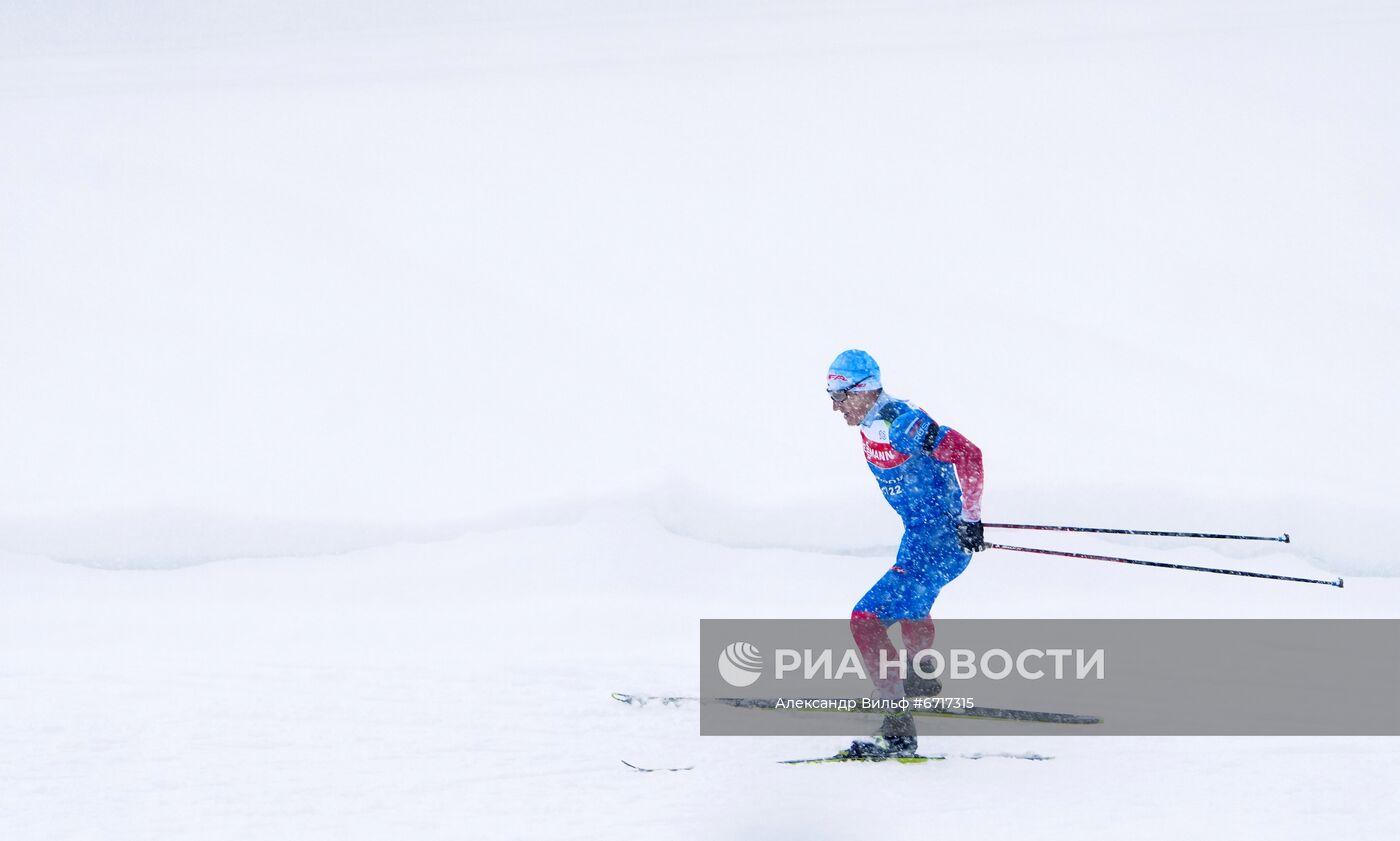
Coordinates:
<point>461,689</point>
<point>383,385</point>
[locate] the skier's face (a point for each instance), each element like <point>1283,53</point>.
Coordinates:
<point>854,405</point>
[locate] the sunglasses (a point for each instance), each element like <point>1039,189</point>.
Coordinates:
<point>840,396</point>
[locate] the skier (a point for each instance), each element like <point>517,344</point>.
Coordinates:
<point>932,476</point>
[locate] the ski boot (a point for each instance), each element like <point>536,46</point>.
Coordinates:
<point>922,687</point>
<point>895,738</point>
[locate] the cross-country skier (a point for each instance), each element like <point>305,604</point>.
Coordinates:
<point>932,476</point>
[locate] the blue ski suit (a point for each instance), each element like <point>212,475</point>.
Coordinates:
<point>932,476</point>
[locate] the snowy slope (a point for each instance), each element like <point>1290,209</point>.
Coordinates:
<point>385,384</point>
<point>460,689</point>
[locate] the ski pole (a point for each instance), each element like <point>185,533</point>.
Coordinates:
<point>1337,583</point>
<point>1283,539</point>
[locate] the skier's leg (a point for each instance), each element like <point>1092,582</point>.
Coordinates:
<point>917,634</point>
<point>896,736</point>
<point>928,559</point>
<point>899,594</point>
<point>873,642</point>
<point>936,558</point>
<point>903,594</point>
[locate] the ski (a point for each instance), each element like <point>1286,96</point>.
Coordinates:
<point>937,757</point>
<point>902,760</point>
<point>819,760</point>
<point>981,713</point>
<point>919,759</point>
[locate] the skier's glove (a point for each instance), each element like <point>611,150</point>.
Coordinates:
<point>970,536</point>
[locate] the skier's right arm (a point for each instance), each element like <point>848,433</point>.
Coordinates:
<point>966,458</point>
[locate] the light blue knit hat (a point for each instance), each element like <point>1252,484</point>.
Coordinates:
<point>853,370</point>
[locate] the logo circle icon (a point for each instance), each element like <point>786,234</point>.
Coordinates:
<point>740,664</point>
